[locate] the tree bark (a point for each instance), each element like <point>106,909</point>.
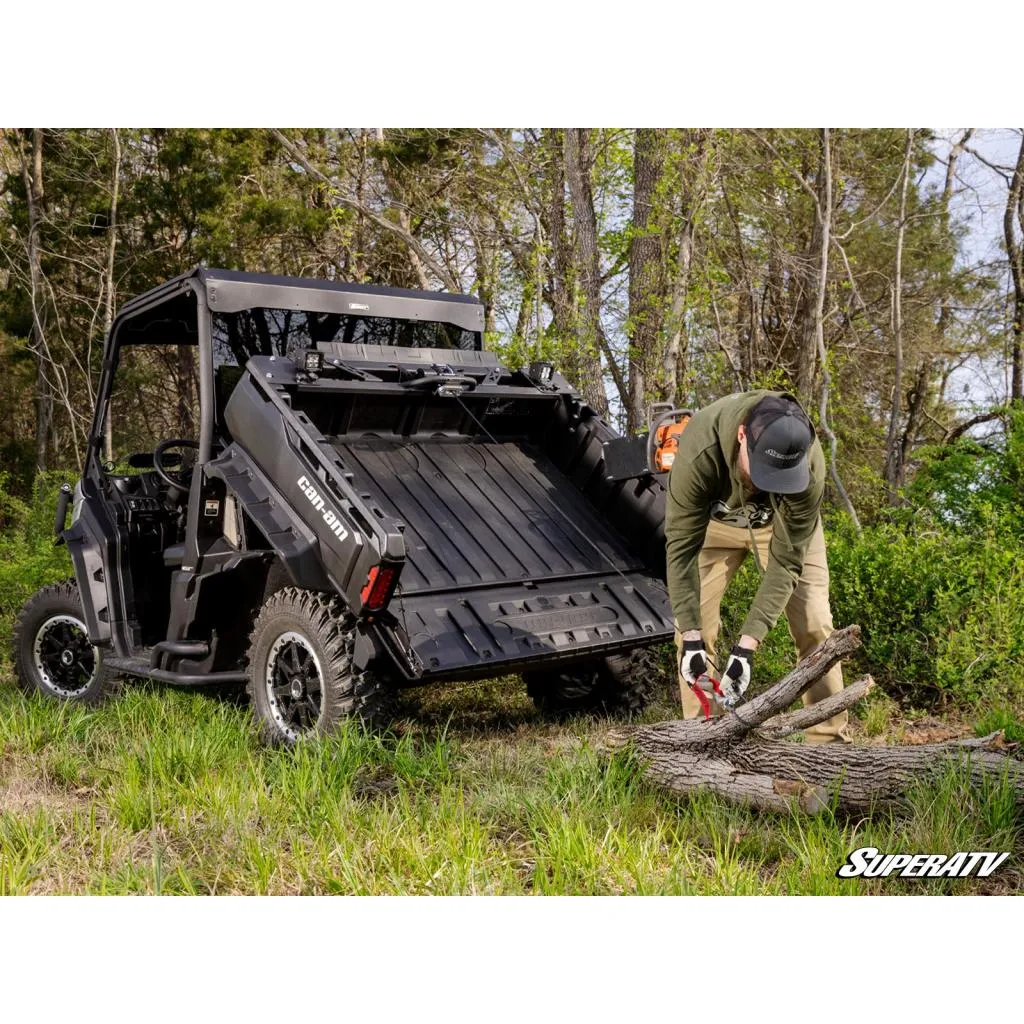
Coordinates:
<point>35,197</point>
<point>693,193</point>
<point>560,276</point>
<point>109,297</point>
<point>1015,255</point>
<point>646,275</point>
<point>590,333</point>
<point>825,202</point>
<point>893,462</point>
<point>739,756</point>
<point>919,395</point>
<point>811,330</point>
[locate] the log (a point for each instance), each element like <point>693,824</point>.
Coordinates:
<point>793,721</point>
<point>739,755</point>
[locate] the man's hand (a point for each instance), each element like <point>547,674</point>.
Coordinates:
<point>737,672</point>
<point>693,663</point>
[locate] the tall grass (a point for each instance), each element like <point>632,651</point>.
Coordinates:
<point>167,791</point>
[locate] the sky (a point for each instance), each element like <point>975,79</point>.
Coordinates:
<point>979,202</point>
<point>982,194</point>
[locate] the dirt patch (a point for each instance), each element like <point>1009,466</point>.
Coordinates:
<point>373,783</point>
<point>24,788</point>
<point>933,730</point>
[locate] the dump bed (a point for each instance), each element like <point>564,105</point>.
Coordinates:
<point>511,545</point>
<point>505,558</point>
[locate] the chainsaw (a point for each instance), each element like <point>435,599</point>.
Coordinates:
<point>653,453</point>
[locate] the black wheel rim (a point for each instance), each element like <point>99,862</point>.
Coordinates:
<point>64,658</point>
<point>294,685</point>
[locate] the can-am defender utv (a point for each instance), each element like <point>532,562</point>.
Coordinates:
<point>340,495</point>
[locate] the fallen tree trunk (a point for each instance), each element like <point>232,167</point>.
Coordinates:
<point>739,756</point>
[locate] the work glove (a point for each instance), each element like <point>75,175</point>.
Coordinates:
<point>696,672</point>
<point>693,663</point>
<point>737,673</point>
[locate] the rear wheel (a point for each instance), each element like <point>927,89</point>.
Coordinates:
<point>619,684</point>
<point>52,653</point>
<point>301,678</point>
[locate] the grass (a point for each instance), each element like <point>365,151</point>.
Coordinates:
<point>168,791</point>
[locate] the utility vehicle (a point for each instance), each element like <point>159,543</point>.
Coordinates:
<point>330,492</point>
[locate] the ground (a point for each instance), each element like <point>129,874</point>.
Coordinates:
<point>470,792</point>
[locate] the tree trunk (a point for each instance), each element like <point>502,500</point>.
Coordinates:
<point>739,755</point>
<point>813,302</point>
<point>646,275</point>
<point>1015,254</point>
<point>35,197</point>
<point>590,334</point>
<point>825,202</point>
<point>893,462</point>
<point>694,190</point>
<point>187,405</point>
<point>109,297</point>
<point>919,396</point>
<point>560,283</point>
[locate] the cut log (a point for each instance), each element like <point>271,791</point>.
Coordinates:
<point>739,756</point>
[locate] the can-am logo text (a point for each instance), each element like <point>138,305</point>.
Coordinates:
<point>330,517</point>
<point>867,862</point>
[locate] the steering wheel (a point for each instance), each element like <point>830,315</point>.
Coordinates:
<point>177,482</point>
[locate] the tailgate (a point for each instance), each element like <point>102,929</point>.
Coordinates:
<point>481,630</point>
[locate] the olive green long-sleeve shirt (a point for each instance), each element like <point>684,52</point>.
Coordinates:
<point>705,481</point>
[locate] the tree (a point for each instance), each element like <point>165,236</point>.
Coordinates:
<point>1013,221</point>
<point>647,285</point>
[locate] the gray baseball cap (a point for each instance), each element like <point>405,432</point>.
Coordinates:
<point>778,437</point>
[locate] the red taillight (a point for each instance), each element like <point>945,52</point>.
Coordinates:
<point>377,591</point>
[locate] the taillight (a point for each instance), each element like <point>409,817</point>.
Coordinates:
<point>379,583</point>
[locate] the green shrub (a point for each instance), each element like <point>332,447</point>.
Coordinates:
<point>941,609</point>
<point>968,484</point>
<point>28,557</point>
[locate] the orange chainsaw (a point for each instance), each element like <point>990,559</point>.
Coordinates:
<point>666,427</point>
<point>629,458</point>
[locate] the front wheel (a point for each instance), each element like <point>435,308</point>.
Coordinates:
<point>301,678</point>
<point>52,653</point>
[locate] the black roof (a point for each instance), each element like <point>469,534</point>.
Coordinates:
<point>229,291</point>
<point>243,277</point>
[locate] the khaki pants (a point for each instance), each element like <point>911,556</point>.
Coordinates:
<point>808,612</point>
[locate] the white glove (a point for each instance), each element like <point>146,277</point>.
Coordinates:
<point>737,673</point>
<point>693,663</point>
